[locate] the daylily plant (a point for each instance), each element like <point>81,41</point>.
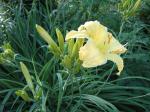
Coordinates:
<point>100,46</point>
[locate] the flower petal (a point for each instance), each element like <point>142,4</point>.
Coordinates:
<point>76,34</point>
<point>118,60</point>
<point>114,45</point>
<point>91,56</point>
<point>95,30</point>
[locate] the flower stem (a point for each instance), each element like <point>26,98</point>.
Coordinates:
<point>121,28</point>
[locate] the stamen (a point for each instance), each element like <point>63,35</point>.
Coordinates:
<point>118,51</point>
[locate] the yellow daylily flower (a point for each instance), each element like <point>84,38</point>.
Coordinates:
<point>100,47</point>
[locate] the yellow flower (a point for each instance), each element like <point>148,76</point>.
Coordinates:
<point>100,47</point>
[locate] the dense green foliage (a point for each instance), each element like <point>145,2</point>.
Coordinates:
<point>91,90</point>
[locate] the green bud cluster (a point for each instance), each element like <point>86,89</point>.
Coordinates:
<point>66,52</point>
<point>128,8</point>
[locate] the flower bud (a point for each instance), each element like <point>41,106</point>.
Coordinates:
<point>44,34</point>
<point>60,39</point>
<point>76,47</point>
<point>27,77</point>
<point>23,94</point>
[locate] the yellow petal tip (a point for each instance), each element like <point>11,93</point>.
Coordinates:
<point>36,25</point>
<point>118,73</point>
<point>21,63</point>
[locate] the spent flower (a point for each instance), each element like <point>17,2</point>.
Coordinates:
<point>7,53</point>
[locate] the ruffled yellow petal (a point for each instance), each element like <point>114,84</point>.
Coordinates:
<point>114,45</point>
<point>95,30</point>
<point>76,34</point>
<point>91,56</point>
<point>118,60</point>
